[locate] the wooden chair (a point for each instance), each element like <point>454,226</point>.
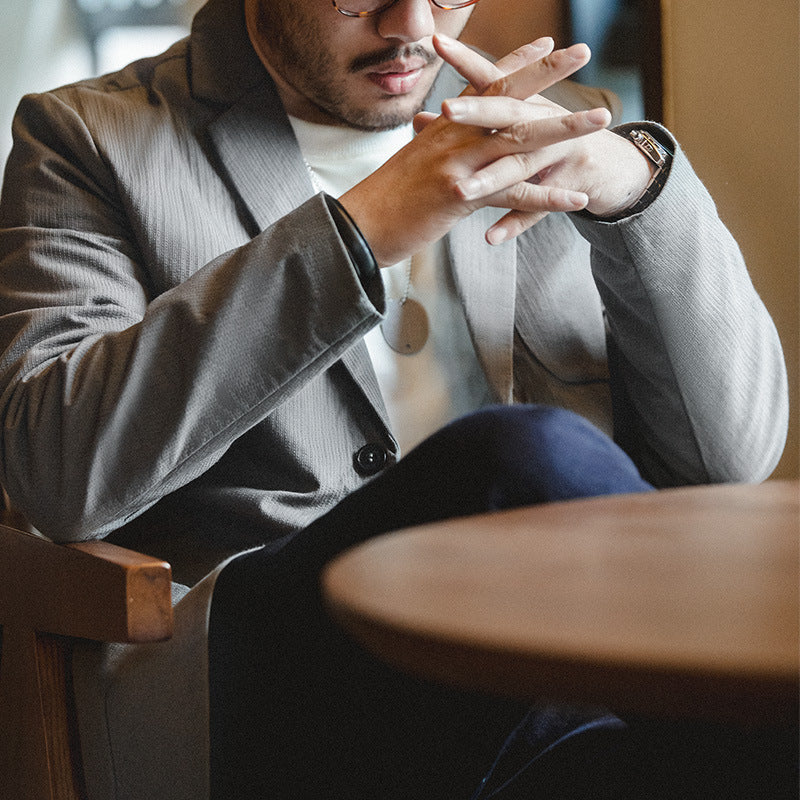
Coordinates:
<point>50,595</point>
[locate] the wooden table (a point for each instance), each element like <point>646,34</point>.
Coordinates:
<point>680,603</point>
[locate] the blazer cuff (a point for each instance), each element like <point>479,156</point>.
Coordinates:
<point>357,247</point>
<point>654,189</point>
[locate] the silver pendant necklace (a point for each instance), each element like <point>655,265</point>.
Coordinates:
<point>405,326</point>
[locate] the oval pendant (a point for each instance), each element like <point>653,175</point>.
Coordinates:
<point>405,327</point>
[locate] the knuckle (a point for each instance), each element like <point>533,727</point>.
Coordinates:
<point>525,164</point>
<point>555,197</point>
<point>449,184</point>
<point>516,136</point>
<point>572,123</point>
<point>585,160</point>
<point>518,194</point>
<point>551,61</point>
<point>502,86</point>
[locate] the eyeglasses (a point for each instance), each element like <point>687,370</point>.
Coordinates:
<point>366,8</point>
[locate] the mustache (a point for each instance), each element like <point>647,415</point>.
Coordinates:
<point>390,54</point>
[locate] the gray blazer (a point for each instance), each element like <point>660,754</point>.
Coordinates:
<point>182,367</point>
<point>182,363</point>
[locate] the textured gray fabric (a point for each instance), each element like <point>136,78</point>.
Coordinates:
<point>183,368</point>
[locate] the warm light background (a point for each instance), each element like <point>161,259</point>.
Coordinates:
<point>499,26</point>
<point>731,89</point>
<point>732,84</point>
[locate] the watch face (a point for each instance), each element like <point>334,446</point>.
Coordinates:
<point>650,147</point>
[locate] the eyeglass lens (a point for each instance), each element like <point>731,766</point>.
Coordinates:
<point>366,8</point>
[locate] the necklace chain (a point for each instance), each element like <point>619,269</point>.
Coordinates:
<point>410,263</point>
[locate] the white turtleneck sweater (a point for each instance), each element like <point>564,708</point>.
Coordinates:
<point>426,390</point>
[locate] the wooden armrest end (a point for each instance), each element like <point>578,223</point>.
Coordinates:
<point>91,590</point>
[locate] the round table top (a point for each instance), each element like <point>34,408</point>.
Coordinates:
<point>682,602</point>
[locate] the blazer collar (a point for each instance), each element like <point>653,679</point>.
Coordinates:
<point>258,150</point>
<point>272,180</point>
<point>485,280</point>
<point>484,275</point>
<point>224,66</point>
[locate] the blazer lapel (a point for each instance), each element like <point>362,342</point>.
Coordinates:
<point>258,150</point>
<point>359,364</point>
<point>484,275</point>
<point>485,279</point>
<point>257,147</point>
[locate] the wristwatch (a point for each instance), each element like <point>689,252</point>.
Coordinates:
<point>659,157</point>
<point>360,252</point>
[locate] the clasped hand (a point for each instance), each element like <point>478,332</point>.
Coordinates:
<point>499,144</point>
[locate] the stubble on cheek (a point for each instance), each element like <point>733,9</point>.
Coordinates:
<point>301,57</point>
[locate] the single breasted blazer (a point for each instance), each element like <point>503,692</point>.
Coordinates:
<point>182,327</point>
<point>181,359</point>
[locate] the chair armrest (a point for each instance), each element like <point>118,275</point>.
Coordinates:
<point>91,590</point>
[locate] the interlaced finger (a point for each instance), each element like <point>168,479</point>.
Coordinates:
<point>533,78</point>
<point>529,203</point>
<point>496,112</point>
<point>513,224</point>
<point>529,198</point>
<point>479,71</point>
<point>519,152</point>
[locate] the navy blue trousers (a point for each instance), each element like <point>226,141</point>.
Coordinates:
<point>298,710</point>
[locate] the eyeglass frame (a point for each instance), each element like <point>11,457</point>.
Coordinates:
<point>389,3</point>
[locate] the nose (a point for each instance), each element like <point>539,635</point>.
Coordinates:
<point>407,21</point>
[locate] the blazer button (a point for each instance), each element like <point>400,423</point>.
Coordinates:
<point>370,459</point>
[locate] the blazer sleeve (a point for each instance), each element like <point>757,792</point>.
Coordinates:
<point>697,368</point>
<point>114,393</point>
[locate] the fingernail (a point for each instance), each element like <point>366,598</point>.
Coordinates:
<point>578,52</point>
<point>543,43</point>
<point>453,108</point>
<point>599,117</point>
<point>496,235</point>
<point>577,200</point>
<point>469,188</point>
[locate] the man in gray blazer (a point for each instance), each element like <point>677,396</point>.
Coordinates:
<point>196,256</point>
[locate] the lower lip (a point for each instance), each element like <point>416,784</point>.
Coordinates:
<point>396,82</point>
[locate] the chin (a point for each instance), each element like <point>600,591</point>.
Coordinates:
<point>384,114</point>
<point>380,122</point>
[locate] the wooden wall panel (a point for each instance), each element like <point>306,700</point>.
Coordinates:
<point>731,89</point>
<point>499,26</point>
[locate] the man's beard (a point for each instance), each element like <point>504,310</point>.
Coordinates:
<point>295,43</point>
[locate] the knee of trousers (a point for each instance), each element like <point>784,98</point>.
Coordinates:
<point>535,453</point>
<point>498,434</point>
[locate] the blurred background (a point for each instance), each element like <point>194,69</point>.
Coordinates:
<point>723,75</point>
<point>46,43</point>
